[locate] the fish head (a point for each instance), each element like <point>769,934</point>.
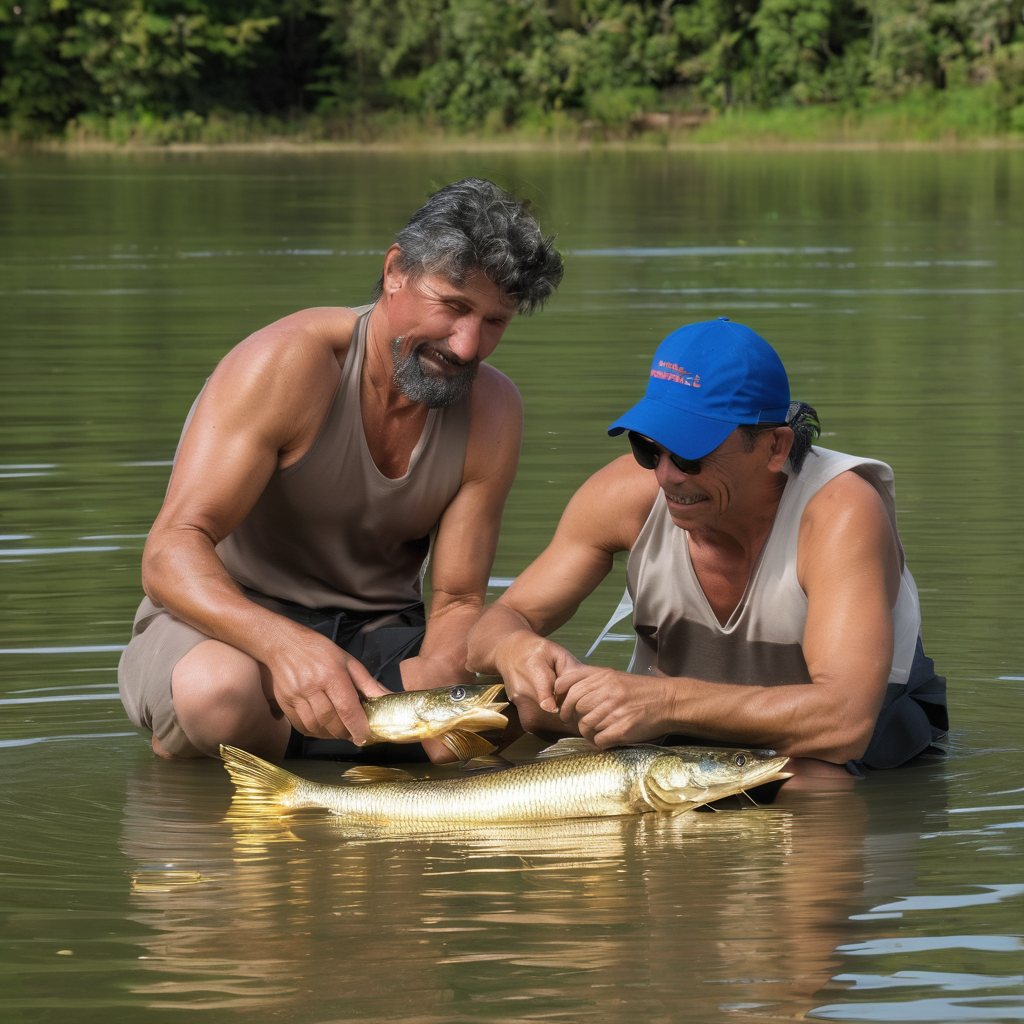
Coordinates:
<point>465,707</point>
<point>685,777</point>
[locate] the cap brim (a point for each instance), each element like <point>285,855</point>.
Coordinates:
<point>685,433</point>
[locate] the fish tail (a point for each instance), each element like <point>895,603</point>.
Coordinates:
<point>257,781</point>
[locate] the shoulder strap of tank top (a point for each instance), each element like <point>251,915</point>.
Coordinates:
<point>357,347</point>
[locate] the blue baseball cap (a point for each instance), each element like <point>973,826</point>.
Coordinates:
<point>707,379</point>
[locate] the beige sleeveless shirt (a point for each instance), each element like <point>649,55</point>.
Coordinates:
<point>331,531</point>
<point>761,645</point>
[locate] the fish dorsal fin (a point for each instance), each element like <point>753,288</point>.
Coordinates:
<point>466,745</point>
<point>567,746</point>
<point>363,774</point>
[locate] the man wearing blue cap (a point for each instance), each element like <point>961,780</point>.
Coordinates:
<point>771,599</point>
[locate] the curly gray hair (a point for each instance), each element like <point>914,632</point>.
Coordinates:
<point>474,225</point>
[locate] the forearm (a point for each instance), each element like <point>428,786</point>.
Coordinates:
<point>181,572</point>
<point>802,720</point>
<point>493,638</point>
<point>442,657</point>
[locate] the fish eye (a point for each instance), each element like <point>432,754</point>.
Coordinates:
<point>458,693</point>
<point>740,760</point>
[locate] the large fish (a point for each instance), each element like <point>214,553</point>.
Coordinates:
<point>453,714</point>
<point>571,781</point>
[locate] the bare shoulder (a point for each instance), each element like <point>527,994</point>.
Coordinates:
<point>281,379</point>
<point>304,342</point>
<point>845,502</point>
<point>494,397</point>
<point>845,530</point>
<point>611,507</point>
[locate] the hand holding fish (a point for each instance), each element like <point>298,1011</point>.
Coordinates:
<point>607,707</point>
<point>317,686</point>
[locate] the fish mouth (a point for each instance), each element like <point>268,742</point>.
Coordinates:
<point>483,713</point>
<point>671,802</point>
<point>461,733</point>
<point>486,699</point>
<point>768,772</point>
<point>479,719</point>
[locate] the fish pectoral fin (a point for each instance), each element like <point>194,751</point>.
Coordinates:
<point>673,801</point>
<point>467,745</point>
<point>565,747</point>
<point>363,774</point>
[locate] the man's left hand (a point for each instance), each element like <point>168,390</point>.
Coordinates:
<point>610,709</point>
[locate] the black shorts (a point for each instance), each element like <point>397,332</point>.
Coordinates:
<point>380,640</point>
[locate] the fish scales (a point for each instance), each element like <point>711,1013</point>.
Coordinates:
<point>622,781</point>
<point>553,789</point>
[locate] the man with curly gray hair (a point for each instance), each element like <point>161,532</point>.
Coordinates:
<point>328,454</point>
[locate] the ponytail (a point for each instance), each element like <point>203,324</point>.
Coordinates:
<point>802,419</point>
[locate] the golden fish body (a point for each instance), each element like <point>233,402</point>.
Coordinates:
<point>453,714</point>
<point>580,783</point>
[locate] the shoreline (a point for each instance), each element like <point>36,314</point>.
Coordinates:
<point>442,144</point>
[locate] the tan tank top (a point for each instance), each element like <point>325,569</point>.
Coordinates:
<point>678,634</point>
<point>331,531</point>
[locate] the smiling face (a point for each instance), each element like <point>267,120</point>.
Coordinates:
<point>733,478</point>
<point>440,331</point>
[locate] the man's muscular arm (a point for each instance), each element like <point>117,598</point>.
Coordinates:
<point>604,516</point>
<point>259,412</point>
<point>467,534</point>
<point>849,568</point>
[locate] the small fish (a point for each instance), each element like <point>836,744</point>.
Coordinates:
<point>453,714</point>
<point>571,780</point>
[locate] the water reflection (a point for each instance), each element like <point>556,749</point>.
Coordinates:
<point>127,278</point>
<point>738,906</point>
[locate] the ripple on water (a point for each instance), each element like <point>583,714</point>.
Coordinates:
<point>978,1008</point>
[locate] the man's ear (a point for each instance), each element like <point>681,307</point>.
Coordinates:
<point>781,444</point>
<point>394,277</point>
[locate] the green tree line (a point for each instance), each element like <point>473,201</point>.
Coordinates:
<point>467,64</point>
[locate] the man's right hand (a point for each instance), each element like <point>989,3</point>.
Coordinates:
<point>317,686</point>
<point>529,665</point>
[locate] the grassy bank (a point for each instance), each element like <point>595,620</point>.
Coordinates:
<point>926,119</point>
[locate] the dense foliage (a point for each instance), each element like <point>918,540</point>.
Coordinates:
<point>492,63</point>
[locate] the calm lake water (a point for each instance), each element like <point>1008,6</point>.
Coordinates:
<point>892,284</point>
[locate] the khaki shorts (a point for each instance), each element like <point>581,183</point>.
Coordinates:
<point>159,641</point>
<point>380,640</point>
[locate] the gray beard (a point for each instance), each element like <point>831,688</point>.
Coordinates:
<point>436,391</point>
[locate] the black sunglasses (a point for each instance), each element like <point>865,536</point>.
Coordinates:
<point>648,454</point>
